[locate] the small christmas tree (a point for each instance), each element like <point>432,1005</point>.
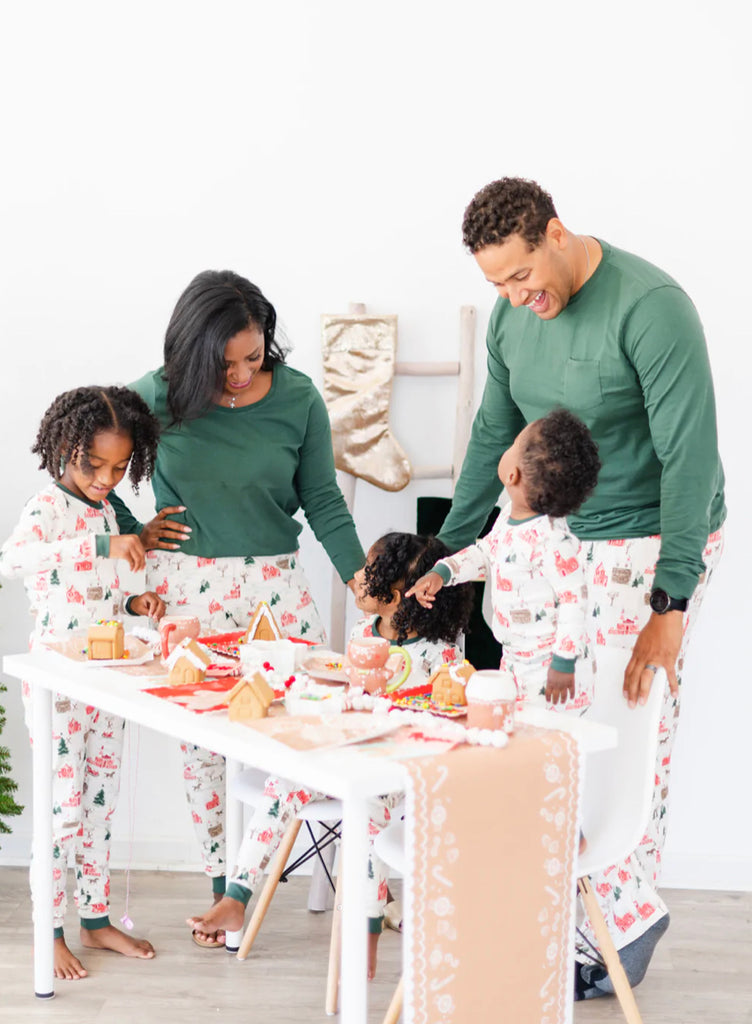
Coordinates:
<point>8,806</point>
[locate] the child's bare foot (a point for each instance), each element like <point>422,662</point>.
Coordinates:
<point>373,949</point>
<point>112,938</point>
<point>67,966</point>
<point>226,915</point>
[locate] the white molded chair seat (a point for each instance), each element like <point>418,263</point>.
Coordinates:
<point>618,796</point>
<point>249,784</point>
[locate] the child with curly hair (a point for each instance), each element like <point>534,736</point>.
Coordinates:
<point>394,565</point>
<point>65,547</point>
<point>531,559</point>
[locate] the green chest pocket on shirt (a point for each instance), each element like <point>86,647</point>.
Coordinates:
<point>582,384</point>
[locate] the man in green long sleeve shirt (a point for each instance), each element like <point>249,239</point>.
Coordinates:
<point>586,326</point>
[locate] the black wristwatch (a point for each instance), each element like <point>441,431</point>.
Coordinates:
<point>661,603</point>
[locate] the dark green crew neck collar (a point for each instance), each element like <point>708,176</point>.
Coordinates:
<point>410,640</point>
<point>91,504</point>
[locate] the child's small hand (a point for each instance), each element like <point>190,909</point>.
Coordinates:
<point>559,686</point>
<point>149,604</point>
<point>426,589</point>
<point>129,547</point>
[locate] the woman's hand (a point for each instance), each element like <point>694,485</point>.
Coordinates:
<point>160,531</point>
<point>559,686</point>
<point>657,645</point>
<point>149,604</point>
<point>425,589</point>
<point>129,547</point>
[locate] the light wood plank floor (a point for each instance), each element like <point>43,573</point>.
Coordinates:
<point>701,973</point>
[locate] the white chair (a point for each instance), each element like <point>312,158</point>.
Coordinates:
<point>618,797</point>
<point>617,801</point>
<point>248,786</point>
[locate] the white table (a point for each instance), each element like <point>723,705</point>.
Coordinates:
<point>345,772</point>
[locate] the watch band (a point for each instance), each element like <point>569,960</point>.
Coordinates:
<point>661,602</point>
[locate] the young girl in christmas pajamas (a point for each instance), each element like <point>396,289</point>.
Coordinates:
<point>532,560</point>
<point>393,563</point>
<point>65,547</point>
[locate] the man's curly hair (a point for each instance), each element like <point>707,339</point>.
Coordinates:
<point>509,206</point>
<point>68,428</point>
<point>560,464</point>
<point>401,559</point>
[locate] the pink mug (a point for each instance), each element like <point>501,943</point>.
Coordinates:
<point>366,664</point>
<point>174,628</point>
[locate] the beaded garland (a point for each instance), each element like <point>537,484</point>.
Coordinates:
<point>441,728</point>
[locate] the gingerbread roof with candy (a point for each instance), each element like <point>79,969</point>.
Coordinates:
<point>196,653</point>
<point>250,698</point>
<point>263,625</point>
<point>448,683</point>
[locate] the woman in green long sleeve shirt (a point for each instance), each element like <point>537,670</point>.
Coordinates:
<point>245,444</point>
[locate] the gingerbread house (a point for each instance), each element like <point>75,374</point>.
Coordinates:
<point>105,640</point>
<point>263,625</point>
<point>250,698</point>
<point>187,663</point>
<point>448,683</point>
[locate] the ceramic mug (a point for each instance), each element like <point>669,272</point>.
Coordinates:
<point>367,664</point>
<point>174,628</point>
<point>491,700</point>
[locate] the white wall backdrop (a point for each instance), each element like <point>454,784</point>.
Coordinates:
<point>327,150</point>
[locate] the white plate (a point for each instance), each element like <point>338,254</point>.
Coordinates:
<point>72,646</point>
<point>316,667</point>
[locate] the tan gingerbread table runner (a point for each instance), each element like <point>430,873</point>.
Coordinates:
<point>492,840</point>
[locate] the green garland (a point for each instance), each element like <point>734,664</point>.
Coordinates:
<point>8,806</point>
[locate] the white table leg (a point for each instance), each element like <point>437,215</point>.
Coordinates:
<point>233,836</point>
<point>354,990</point>
<point>44,964</point>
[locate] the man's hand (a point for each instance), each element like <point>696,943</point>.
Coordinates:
<point>129,547</point>
<point>657,645</point>
<point>161,532</point>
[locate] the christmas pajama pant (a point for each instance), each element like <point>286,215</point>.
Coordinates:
<point>223,593</point>
<point>86,754</point>
<point>620,577</point>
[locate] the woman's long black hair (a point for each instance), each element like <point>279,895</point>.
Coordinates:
<point>401,559</point>
<point>215,306</point>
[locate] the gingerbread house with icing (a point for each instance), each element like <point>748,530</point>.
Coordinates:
<point>448,683</point>
<point>187,663</point>
<point>263,625</point>
<point>250,698</point>
<point>105,641</point>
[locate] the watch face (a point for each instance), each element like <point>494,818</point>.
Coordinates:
<point>659,601</point>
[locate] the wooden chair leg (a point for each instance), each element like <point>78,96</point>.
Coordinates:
<point>270,886</point>
<point>335,953</point>
<point>395,1007</point>
<point>616,973</point>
